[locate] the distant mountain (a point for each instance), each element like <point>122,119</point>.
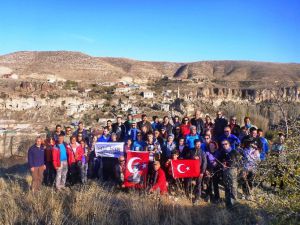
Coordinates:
<point>79,66</point>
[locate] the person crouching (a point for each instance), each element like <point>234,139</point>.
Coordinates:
<point>119,172</point>
<point>159,180</point>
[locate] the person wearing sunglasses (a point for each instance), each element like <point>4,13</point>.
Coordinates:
<point>233,140</point>
<point>185,127</point>
<point>206,141</point>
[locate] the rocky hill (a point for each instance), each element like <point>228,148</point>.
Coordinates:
<point>78,66</point>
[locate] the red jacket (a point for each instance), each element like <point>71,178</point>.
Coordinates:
<point>56,155</point>
<point>48,154</point>
<point>161,182</point>
<point>185,129</point>
<point>74,157</point>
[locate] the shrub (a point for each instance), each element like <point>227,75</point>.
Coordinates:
<point>71,85</point>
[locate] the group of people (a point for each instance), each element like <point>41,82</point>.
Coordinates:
<point>228,153</point>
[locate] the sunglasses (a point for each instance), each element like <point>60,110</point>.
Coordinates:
<point>121,160</point>
<point>226,131</point>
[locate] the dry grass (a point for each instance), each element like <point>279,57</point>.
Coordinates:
<point>240,111</point>
<point>97,204</point>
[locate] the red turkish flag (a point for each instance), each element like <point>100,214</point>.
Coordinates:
<point>185,168</point>
<point>136,169</point>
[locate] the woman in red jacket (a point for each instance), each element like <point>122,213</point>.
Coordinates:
<point>49,174</point>
<point>160,182</point>
<point>185,127</point>
<point>75,155</point>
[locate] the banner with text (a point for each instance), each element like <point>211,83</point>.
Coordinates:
<point>109,149</point>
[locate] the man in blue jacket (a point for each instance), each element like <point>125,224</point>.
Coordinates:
<point>36,163</point>
<point>233,140</point>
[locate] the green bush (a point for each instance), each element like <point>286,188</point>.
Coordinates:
<point>71,85</point>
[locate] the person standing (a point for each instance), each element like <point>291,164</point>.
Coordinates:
<point>58,131</point>
<point>198,154</point>
<point>60,162</point>
<point>230,159</point>
<point>265,144</point>
<point>198,123</point>
<point>105,137</point>
<point>213,172</point>
<point>168,147</point>
<point>234,127</point>
<point>167,125</point>
<point>49,174</point>
<point>233,140</point>
<point>84,161</point>
<point>220,124</point>
<point>144,122</point>
<point>185,127</point>
<point>251,158</point>
<point>81,130</point>
<point>133,131</point>
<point>75,154</point>
<point>68,135</point>
<point>120,129</point>
<point>190,139</point>
<point>36,163</point>
<point>127,123</point>
<point>155,124</point>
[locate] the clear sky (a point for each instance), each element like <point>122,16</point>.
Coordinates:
<point>160,30</point>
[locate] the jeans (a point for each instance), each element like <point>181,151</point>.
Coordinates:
<point>196,189</point>
<point>230,183</point>
<point>61,175</point>
<point>83,172</point>
<point>97,166</point>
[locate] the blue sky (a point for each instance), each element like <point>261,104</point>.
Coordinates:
<point>159,30</point>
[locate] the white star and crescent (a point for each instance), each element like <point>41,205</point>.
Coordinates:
<point>180,170</point>
<point>130,162</point>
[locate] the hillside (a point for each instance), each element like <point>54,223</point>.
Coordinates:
<point>79,66</point>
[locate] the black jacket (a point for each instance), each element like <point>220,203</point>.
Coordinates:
<point>120,131</point>
<point>220,124</point>
<point>230,159</point>
<point>199,123</point>
<point>202,156</point>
